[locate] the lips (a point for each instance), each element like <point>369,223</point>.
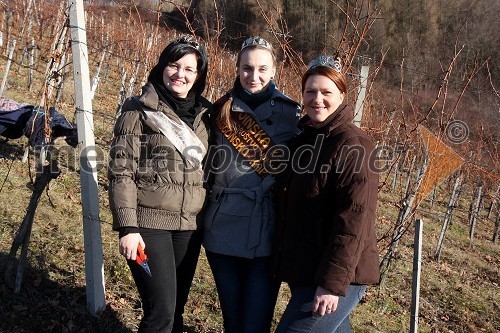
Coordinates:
<point>319,108</point>
<point>177,82</point>
<point>253,85</point>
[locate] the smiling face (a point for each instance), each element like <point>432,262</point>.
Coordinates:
<point>321,97</point>
<point>179,76</point>
<point>255,69</point>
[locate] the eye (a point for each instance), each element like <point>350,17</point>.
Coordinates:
<point>173,67</point>
<point>190,71</point>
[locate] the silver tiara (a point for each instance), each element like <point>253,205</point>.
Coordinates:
<point>258,41</point>
<point>327,61</point>
<point>188,40</point>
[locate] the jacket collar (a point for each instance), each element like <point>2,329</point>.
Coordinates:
<point>343,115</point>
<point>264,110</point>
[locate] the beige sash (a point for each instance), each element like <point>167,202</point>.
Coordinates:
<point>182,137</point>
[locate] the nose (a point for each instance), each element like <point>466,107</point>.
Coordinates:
<point>179,70</point>
<point>255,75</point>
<point>318,97</point>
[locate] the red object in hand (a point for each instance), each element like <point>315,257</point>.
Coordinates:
<point>142,259</point>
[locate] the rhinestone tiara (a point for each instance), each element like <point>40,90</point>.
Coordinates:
<point>188,40</point>
<point>258,41</point>
<point>327,61</point>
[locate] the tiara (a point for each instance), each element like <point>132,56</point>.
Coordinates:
<point>327,61</point>
<point>258,41</point>
<point>188,40</point>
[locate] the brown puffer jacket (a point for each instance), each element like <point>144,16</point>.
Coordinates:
<point>326,215</point>
<point>148,185</point>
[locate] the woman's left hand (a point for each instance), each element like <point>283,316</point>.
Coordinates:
<point>324,302</point>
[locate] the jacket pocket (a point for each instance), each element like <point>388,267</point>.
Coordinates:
<point>227,209</point>
<point>343,249</point>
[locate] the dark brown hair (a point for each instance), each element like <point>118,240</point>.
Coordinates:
<point>176,50</point>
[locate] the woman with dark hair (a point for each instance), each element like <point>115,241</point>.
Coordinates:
<point>156,181</point>
<point>239,221</point>
<point>326,247</point>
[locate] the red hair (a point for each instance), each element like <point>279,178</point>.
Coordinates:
<point>337,77</point>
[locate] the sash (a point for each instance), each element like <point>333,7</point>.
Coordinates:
<point>249,140</point>
<point>182,137</point>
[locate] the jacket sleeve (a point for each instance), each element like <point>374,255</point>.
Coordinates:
<point>351,194</point>
<point>124,158</point>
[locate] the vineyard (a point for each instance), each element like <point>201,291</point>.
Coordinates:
<point>458,205</point>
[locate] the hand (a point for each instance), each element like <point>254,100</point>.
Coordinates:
<point>324,302</point>
<point>129,244</point>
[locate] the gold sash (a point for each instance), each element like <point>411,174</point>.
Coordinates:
<point>249,139</point>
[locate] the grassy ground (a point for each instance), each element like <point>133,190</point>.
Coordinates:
<point>459,294</point>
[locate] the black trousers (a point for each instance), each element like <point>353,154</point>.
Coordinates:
<point>173,256</point>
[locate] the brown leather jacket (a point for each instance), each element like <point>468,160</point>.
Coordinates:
<point>326,213</point>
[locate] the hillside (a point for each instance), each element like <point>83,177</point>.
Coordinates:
<point>458,293</point>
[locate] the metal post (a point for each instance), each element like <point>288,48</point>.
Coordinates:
<point>94,271</point>
<point>417,267</point>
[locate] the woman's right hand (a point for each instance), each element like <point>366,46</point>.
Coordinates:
<point>129,244</point>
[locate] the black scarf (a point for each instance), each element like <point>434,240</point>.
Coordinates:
<point>253,100</point>
<point>183,107</point>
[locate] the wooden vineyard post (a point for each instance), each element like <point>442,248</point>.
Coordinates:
<point>95,80</point>
<point>22,239</point>
<point>493,202</point>
<point>497,229</point>
<point>31,63</point>
<point>94,271</point>
<point>7,68</point>
<point>448,216</point>
<point>358,111</point>
<point>474,215</point>
<point>121,94</point>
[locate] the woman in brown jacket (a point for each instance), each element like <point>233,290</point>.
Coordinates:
<point>326,245</point>
<point>156,181</point>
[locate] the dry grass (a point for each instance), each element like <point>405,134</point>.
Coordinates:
<point>457,295</point>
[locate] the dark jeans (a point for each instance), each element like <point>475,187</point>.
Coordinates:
<point>247,294</point>
<point>298,317</point>
<point>173,256</point>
